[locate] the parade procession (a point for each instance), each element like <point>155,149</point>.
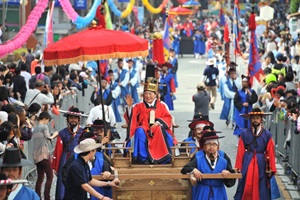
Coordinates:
<point>149,99</point>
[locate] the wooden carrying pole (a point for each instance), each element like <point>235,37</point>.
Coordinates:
<point>168,176</point>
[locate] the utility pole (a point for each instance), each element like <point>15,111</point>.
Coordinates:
<point>3,12</point>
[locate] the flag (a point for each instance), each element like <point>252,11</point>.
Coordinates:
<point>103,64</point>
<point>166,39</point>
<point>236,31</point>
<point>254,66</point>
<point>222,17</point>
<point>48,36</point>
<point>107,17</point>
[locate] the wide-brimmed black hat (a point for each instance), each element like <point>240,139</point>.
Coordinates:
<point>209,135</point>
<point>73,111</point>
<point>193,124</point>
<point>12,158</point>
<point>86,133</point>
<point>255,111</point>
<point>98,123</point>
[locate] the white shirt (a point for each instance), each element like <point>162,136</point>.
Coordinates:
<point>40,98</point>
<point>0,36</point>
<point>214,165</point>
<point>27,77</point>
<point>96,113</point>
<point>14,193</point>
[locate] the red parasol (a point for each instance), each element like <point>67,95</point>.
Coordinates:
<point>180,11</point>
<point>95,43</point>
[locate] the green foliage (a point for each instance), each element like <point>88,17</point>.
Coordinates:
<point>294,5</point>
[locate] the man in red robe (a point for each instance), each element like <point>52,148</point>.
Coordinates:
<point>150,127</point>
<point>255,159</point>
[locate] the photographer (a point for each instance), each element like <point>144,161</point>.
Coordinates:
<point>5,130</point>
<point>40,94</point>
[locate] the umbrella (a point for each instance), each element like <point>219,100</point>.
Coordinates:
<point>95,43</point>
<point>191,3</point>
<point>180,11</point>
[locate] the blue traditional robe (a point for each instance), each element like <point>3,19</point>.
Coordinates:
<point>211,189</point>
<point>167,95</point>
<point>115,102</point>
<point>201,153</point>
<point>251,160</point>
<point>173,71</point>
<point>105,94</point>
<point>227,103</point>
<point>121,78</point>
<point>192,143</point>
<point>132,89</point>
<point>199,44</point>
<point>68,151</point>
<point>25,193</point>
<point>176,44</point>
<point>241,122</point>
<point>97,169</point>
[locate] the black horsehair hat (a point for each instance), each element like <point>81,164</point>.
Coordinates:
<point>255,111</point>
<point>12,158</point>
<point>73,111</point>
<point>98,123</point>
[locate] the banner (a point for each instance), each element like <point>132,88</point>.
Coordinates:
<point>123,1</point>
<point>140,15</point>
<point>80,4</point>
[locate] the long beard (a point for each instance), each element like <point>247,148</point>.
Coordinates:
<point>73,125</point>
<point>256,125</point>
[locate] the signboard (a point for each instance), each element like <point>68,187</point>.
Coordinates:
<point>80,4</point>
<point>57,4</point>
<point>123,1</point>
<point>10,2</point>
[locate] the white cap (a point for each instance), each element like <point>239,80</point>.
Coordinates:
<point>3,116</point>
<point>83,75</point>
<point>200,126</point>
<point>216,141</point>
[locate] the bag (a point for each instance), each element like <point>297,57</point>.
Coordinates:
<point>55,110</point>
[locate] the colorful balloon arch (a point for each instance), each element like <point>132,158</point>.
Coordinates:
<point>80,22</point>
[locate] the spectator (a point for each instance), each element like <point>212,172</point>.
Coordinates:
<point>3,90</point>
<point>34,63</point>
<point>19,86</point>
<point>38,70</point>
<point>29,58</point>
<point>41,154</point>
<point>23,60</point>
<point>36,95</point>
<point>48,70</point>
<point>25,74</point>
<point>3,117</point>
<point>5,130</point>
